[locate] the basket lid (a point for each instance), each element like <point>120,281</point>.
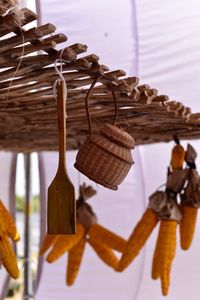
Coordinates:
<point>118,135</point>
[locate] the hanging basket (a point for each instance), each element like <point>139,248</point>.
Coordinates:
<point>106,158</point>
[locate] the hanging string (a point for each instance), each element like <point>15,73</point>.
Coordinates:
<point>19,64</point>
<point>176,140</point>
<point>59,71</point>
<point>89,92</point>
<point>162,185</point>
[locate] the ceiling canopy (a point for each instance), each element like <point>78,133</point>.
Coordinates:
<point>28,117</point>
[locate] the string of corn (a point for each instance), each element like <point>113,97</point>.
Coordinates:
<point>105,236</point>
<point>74,261</point>
<point>7,223</point>
<point>8,257</point>
<point>138,238</point>
<point>65,243</point>
<point>165,249</point>
<point>105,253</point>
<point>187,225</point>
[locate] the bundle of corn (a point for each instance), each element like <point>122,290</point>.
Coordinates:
<point>170,216</point>
<point>8,230</point>
<point>14,6</point>
<point>165,249</point>
<point>190,200</point>
<point>162,206</point>
<point>99,238</point>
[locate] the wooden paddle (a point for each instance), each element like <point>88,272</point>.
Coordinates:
<point>61,195</point>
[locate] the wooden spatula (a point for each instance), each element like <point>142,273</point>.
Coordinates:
<point>61,194</point>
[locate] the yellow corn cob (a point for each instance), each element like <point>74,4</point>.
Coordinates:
<point>166,250</point>
<point>65,243</point>
<point>155,273</point>
<point>178,156</point>
<point>15,237</point>
<point>105,253</point>
<point>103,235</point>
<point>74,260</point>
<point>187,225</point>
<point>7,224</point>
<point>8,258</point>
<point>138,238</point>
<point>48,241</point>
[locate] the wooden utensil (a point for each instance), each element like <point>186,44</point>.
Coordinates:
<point>61,194</point>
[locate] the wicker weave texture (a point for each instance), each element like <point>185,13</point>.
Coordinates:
<point>115,149</point>
<point>100,165</point>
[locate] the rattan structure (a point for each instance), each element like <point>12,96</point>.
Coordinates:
<point>28,118</point>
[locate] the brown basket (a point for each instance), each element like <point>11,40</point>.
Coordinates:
<point>106,158</point>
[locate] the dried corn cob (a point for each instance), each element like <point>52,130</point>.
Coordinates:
<point>48,241</point>
<point>105,253</point>
<point>8,257</point>
<point>155,273</point>
<point>65,243</point>
<point>138,238</point>
<point>8,226</point>
<point>178,156</point>
<point>74,260</point>
<point>165,253</point>
<point>105,236</point>
<point>187,225</point>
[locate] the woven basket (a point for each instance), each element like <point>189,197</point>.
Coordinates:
<point>106,158</point>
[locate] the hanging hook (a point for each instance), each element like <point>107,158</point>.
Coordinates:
<point>87,108</point>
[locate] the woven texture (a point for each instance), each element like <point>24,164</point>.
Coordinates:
<point>101,165</point>
<point>116,134</point>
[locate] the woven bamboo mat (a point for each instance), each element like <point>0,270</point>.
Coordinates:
<point>28,117</point>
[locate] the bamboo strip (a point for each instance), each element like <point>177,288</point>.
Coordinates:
<point>47,42</point>
<point>8,22</point>
<point>29,35</point>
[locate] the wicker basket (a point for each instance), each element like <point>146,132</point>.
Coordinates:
<point>106,158</point>
<point>104,161</point>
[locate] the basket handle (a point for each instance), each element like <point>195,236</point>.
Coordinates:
<point>87,108</point>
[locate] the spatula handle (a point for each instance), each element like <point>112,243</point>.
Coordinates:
<point>61,105</point>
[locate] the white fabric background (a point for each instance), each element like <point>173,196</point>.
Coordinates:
<point>170,61</point>
<point>158,41</point>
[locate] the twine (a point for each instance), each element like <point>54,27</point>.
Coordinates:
<point>61,77</point>
<point>162,185</point>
